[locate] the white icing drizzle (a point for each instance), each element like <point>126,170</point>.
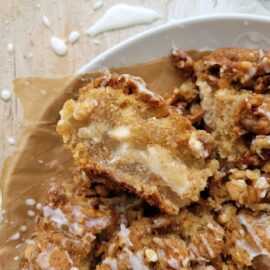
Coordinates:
<point>46,21</point>
<point>16,258</point>
<point>77,212</point>
<point>5,95</point>
<point>99,221</point>
<point>59,46</point>
<point>11,140</point>
<point>112,262</point>
<point>206,244</point>
<point>75,228</point>
<point>173,263</point>
<point>255,237</point>
<point>262,185</point>
<point>197,146</point>
<point>55,215</point>
<point>73,37</point>
<point>265,65</point>
<point>39,206</point>
<point>196,252</point>
<point>119,132</point>
<point>30,241</point>
<point>123,235</point>
<point>43,260</point>
<point>250,73</point>
<point>30,202</point>
<point>136,260</point>
<point>98,4</point>
<point>122,16</point>
<point>23,228</point>
<point>14,237</point>
<point>217,229</point>
<point>31,213</point>
<point>243,244</point>
<point>10,48</point>
<point>140,84</point>
<point>264,112</point>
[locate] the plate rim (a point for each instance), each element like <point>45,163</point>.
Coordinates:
<point>181,22</point>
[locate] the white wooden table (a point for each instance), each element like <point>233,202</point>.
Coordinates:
<point>21,24</point>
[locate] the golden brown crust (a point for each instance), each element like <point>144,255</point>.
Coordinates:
<point>166,242</point>
<point>133,138</point>
<point>235,101</point>
<point>69,226</point>
<point>235,68</point>
<point>247,237</point>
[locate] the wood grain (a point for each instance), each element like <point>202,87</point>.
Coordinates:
<point>21,24</point>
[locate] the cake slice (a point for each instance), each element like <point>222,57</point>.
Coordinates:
<point>70,228</point>
<point>247,239</point>
<point>64,236</point>
<point>234,89</point>
<point>165,242</point>
<point>120,130</point>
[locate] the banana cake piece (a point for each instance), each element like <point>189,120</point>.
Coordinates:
<point>120,130</point>
<point>183,242</point>
<point>70,227</point>
<point>234,89</point>
<point>247,238</point>
<point>65,234</point>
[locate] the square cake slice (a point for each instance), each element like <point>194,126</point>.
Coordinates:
<point>120,130</point>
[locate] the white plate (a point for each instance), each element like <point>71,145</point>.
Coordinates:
<point>200,33</point>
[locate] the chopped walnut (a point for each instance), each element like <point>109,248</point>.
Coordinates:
<point>57,195</point>
<point>228,211</point>
<point>235,68</point>
<point>196,114</point>
<point>201,144</point>
<point>254,114</point>
<point>248,160</point>
<point>185,98</point>
<point>151,255</point>
<point>238,190</point>
<point>266,167</point>
<point>262,85</point>
<point>246,69</point>
<point>186,92</point>
<point>259,143</point>
<point>183,62</point>
<point>247,187</point>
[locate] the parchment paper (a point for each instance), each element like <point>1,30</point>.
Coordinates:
<point>28,172</point>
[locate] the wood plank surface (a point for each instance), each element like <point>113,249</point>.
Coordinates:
<point>21,24</point>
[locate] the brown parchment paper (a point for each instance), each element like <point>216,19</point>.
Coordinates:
<point>28,172</point>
